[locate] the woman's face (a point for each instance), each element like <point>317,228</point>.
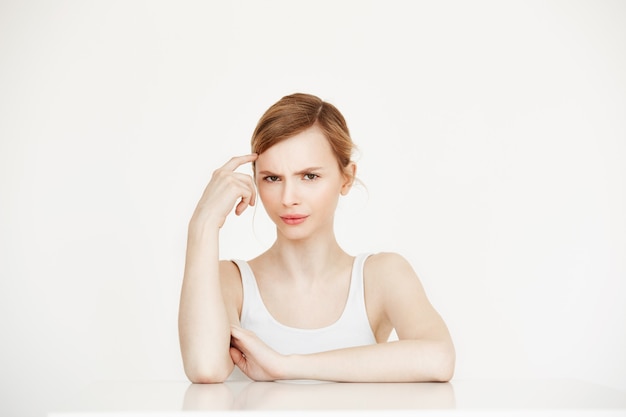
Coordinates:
<point>299,182</point>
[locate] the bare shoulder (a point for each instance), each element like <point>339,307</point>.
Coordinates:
<point>229,271</point>
<point>390,267</point>
<point>402,298</point>
<point>392,277</point>
<point>230,275</point>
<point>232,289</point>
<point>392,293</point>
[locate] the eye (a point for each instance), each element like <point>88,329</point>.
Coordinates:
<point>271,178</point>
<point>311,177</point>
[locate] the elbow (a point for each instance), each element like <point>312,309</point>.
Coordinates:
<point>444,373</point>
<point>208,368</point>
<point>435,364</point>
<point>208,375</point>
<point>445,363</point>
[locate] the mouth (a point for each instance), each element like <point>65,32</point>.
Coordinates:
<point>294,219</point>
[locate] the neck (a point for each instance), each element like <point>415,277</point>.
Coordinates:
<point>310,258</point>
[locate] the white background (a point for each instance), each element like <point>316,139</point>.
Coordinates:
<point>492,142</point>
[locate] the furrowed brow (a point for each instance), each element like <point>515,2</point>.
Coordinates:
<point>309,170</point>
<point>301,172</point>
<point>268,174</point>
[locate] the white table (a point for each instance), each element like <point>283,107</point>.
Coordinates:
<point>251,399</point>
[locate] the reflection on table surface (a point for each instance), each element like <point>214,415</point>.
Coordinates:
<point>316,396</point>
<point>454,398</point>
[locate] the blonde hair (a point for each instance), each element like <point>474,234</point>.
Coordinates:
<point>297,112</point>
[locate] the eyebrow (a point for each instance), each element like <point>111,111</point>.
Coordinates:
<point>301,172</point>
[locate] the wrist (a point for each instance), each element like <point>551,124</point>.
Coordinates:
<point>200,235</point>
<point>201,225</point>
<point>293,367</point>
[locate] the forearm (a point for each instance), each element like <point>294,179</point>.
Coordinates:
<point>399,361</point>
<point>204,329</point>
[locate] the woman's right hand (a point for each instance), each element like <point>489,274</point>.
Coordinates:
<point>226,188</point>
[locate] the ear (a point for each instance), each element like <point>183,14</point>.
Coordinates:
<point>349,175</point>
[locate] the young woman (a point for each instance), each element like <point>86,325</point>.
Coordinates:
<point>303,309</point>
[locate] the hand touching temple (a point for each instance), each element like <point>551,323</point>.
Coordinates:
<point>304,308</point>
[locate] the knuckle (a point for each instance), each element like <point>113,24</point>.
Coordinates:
<point>218,172</point>
<point>221,174</point>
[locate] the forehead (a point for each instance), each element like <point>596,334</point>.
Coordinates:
<point>306,149</point>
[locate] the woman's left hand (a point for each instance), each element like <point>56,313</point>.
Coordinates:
<point>255,359</point>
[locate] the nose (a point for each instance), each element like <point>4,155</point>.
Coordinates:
<point>289,195</point>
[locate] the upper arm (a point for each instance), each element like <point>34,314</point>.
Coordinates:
<point>232,291</point>
<point>402,298</point>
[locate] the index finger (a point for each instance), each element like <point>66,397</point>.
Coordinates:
<point>236,161</point>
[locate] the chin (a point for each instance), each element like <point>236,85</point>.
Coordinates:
<point>294,233</point>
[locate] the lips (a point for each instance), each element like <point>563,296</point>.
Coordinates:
<point>293,219</point>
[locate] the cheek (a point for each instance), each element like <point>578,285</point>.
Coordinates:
<point>319,195</point>
<point>263,194</point>
<point>325,197</point>
<point>269,196</point>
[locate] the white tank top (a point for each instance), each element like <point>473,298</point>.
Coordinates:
<point>352,328</point>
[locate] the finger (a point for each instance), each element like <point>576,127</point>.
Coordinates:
<point>236,331</point>
<point>243,204</point>
<point>239,335</point>
<point>236,341</point>
<point>241,207</point>
<point>237,357</point>
<point>248,197</point>
<point>253,188</point>
<point>236,161</point>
